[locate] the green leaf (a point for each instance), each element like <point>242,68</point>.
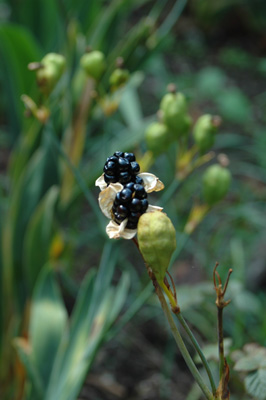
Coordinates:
<point>47,323</point>
<point>25,354</point>
<point>39,175</point>
<point>252,361</point>
<point>39,234</point>
<point>96,308</point>
<point>255,384</point>
<point>17,49</point>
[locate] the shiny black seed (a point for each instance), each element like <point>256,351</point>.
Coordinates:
<point>124,177</point>
<point>125,195</point>
<point>130,156</point>
<point>110,165</point>
<point>119,154</point>
<point>135,168</point>
<point>117,200</point>
<point>122,210</point>
<point>124,164</point>
<point>109,178</point>
<point>130,186</point>
<point>118,218</point>
<point>135,205</point>
<point>134,216</point>
<point>144,205</point>
<point>132,225</point>
<point>140,192</point>
<point>138,180</point>
<point>112,158</point>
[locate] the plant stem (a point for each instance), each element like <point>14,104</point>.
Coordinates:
<point>221,342</point>
<point>198,349</point>
<point>179,341</point>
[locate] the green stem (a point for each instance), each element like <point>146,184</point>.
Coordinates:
<point>192,367</point>
<point>198,349</point>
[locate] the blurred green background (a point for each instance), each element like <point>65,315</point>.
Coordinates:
<point>78,317</point>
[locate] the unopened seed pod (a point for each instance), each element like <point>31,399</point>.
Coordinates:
<point>93,64</point>
<point>204,132</point>
<point>157,137</point>
<point>119,77</point>
<point>157,241</point>
<point>174,113</point>
<point>216,182</point>
<point>52,67</point>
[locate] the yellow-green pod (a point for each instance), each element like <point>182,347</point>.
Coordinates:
<point>157,241</point>
<point>157,137</point>
<point>119,77</point>
<point>174,113</point>
<point>51,70</point>
<point>93,64</point>
<point>204,132</point>
<point>216,183</point>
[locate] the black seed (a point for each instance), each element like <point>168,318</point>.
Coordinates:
<point>117,199</point>
<point>124,164</point>
<point>110,165</point>
<point>110,178</point>
<point>134,216</point>
<point>112,158</point>
<point>138,180</point>
<point>124,177</point>
<point>144,205</point>
<point>125,195</point>
<point>130,186</point>
<point>135,168</point>
<point>130,156</point>
<point>118,218</point>
<point>132,225</point>
<point>119,154</point>
<point>122,210</point>
<point>135,205</point>
<point>140,192</point>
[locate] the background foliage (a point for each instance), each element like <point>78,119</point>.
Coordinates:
<point>66,290</point>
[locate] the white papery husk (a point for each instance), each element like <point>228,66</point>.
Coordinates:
<point>106,201</point>
<point>150,182</point>
<point>115,231</point>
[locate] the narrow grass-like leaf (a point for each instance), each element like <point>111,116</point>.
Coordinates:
<point>38,236</point>
<point>47,323</point>
<point>25,354</point>
<point>17,49</point>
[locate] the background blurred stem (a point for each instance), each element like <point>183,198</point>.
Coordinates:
<point>76,140</point>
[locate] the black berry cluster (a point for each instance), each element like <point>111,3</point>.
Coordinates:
<point>132,201</point>
<point>121,167</point>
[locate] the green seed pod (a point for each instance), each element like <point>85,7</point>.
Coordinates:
<point>93,64</point>
<point>204,132</point>
<point>157,241</point>
<point>52,67</point>
<point>216,182</point>
<point>157,137</point>
<point>119,77</point>
<point>174,113</point>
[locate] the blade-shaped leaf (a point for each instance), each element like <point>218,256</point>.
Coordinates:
<point>47,323</point>
<point>38,235</point>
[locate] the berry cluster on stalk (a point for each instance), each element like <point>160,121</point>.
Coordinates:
<point>131,202</point>
<point>121,167</point>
